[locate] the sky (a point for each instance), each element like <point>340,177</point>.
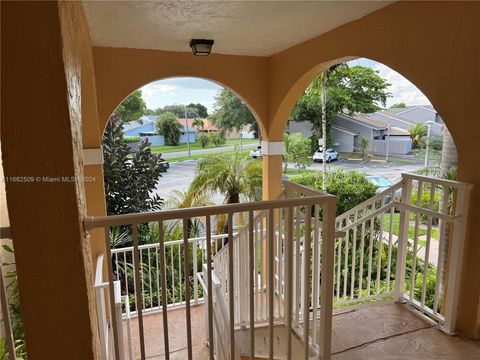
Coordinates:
<point>195,90</point>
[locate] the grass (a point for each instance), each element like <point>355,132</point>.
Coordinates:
<point>196,146</point>
<point>201,156</point>
<point>411,229</point>
<point>356,155</point>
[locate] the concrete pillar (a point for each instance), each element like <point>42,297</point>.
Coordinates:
<point>42,158</point>
<point>272,168</point>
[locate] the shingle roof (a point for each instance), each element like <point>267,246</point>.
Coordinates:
<point>365,119</point>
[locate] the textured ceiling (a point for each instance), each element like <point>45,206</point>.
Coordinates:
<point>259,28</point>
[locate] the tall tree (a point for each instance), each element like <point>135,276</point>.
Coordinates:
<point>201,110</point>
<point>179,111</point>
<point>398,106</point>
<point>129,180</point>
<point>348,89</point>
<point>132,108</point>
<point>169,127</point>
<point>231,113</point>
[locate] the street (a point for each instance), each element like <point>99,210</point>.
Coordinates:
<point>181,174</point>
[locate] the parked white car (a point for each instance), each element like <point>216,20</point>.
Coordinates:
<point>256,153</point>
<point>330,155</point>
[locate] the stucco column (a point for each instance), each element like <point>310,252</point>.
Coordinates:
<point>42,159</point>
<point>272,152</point>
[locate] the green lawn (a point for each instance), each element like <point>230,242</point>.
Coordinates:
<point>196,146</point>
<point>422,230</point>
<point>202,156</point>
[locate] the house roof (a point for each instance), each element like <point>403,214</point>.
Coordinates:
<point>388,114</point>
<point>396,131</point>
<point>411,107</point>
<point>366,120</point>
<point>146,119</point>
<point>339,128</point>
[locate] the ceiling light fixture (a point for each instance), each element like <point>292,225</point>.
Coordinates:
<point>201,47</point>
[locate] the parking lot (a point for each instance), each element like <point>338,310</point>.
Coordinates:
<point>181,174</point>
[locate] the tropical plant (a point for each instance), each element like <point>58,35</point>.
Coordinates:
<point>363,145</point>
<point>129,178</point>
<point>198,123</point>
<point>217,138</point>
<point>203,139</point>
<point>233,175</point>
<point>297,151</point>
<point>416,133</point>
<point>187,199</point>
<point>169,127</point>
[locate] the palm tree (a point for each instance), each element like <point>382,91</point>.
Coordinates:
<point>416,133</point>
<point>187,199</point>
<point>363,145</point>
<point>232,175</point>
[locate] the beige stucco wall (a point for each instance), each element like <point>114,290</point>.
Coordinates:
<point>56,69</point>
<point>442,63</point>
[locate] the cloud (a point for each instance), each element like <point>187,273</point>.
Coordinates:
<point>401,89</point>
<point>159,88</point>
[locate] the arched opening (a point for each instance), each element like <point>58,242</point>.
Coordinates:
<point>376,126</point>
<point>170,146</point>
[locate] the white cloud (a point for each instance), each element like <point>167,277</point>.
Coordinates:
<point>401,89</point>
<point>159,88</point>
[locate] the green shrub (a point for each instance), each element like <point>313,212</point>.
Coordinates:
<point>350,187</point>
<point>436,143</point>
<point>168,126</point>
<point>425,202</point>
<point>217,138</point>
<point>203,139</point>
<point>131,139</point>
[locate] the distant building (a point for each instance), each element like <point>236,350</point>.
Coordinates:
<point>146,127</point>
<point>412,115</point>
<point>347,130</point>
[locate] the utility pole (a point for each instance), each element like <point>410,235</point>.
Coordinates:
<point>324,132</point>
<point>388,140</point>
<point>188,134</point>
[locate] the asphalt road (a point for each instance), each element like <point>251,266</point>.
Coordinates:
<point>181,174</point>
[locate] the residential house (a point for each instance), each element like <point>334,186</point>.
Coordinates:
<point>418,114</point>
<point>146,127</point>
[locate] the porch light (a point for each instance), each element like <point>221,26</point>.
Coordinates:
<point>201,47</point>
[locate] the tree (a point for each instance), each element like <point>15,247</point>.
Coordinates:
<point>232,175</point>
<point>297,150</point>
<point>169,127</point>
<point>231,113</point>
<point>363,145</point>
<point>398,106</point>
<point>132,108</point>
<point>179,111</point>
<point>198,123</point>
<point>203,139</point>
<point>416,134</point>
<point>201,110</point>
<point>129,180</point>
<point>348,89</point>
<point>187,199</point>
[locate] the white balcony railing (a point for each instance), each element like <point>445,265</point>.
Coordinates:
<point>290,257</point>
<point>249,274</point>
